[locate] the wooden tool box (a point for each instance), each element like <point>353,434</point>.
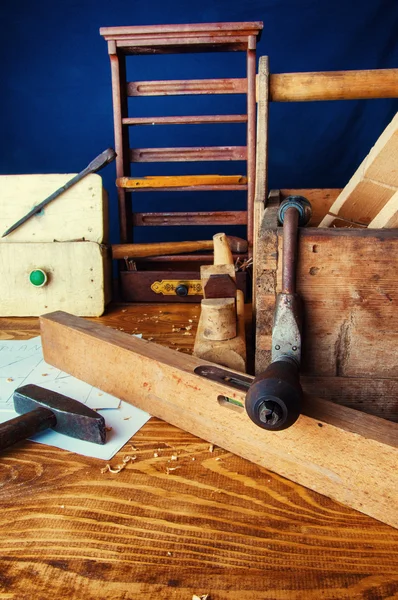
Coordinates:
<point>151,279</point>
<point>57,258</point>
<point>346,276</point>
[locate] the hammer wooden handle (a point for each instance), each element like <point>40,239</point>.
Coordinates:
<point>25,426</point>
<point>163,248</point>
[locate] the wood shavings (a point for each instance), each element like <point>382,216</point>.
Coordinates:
<point>188,327</point>
<point>9,379</point>
<point>127,418</point>
<point>124,309</point>
<point>187,333</point>
<point>120,467</point>
<point>190,321</point>
<point>211,448</point>
<point>203,597</point>
<point>108,428</point>
<point>174,457</point>
<point>175,329</point>
<point>150,339</point>
<point>44,374</point>
<point>170,469</point>
<point>155,455</point>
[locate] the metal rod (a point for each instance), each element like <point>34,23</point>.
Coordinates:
<point>290,229</point>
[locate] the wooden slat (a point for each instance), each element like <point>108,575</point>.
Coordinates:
<point>359,471</point>
<point>185,120</point>
<point>388,216</point>
<point>181,181</point>
<point>182,29</point>
<point>237,217</point>
<point>334,85</point>
<point>261,182</point>
<point>373,184</point>
<point>200,153</point>
<point>187,87</point>
<point>199,43</point>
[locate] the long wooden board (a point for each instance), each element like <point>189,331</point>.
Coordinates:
<point>337,451</point>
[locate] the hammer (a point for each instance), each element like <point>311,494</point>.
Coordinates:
<point>236,244</point>
<point>41,409</point>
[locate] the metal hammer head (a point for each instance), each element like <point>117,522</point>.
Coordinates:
<point>73,418</point>
<point>237,244</point>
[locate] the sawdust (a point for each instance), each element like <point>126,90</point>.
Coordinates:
<point>120,467</point>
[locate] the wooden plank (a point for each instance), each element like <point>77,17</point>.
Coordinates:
<point>334,85</point>
<point>79,278</point>
<point>81,212</point>
<point>261,180</point>
<point>237,217</point>
<point>372,185</point>
<point>175,45</point>
<point>201,153</point>
<point>360,472</point>
<point>181,29</point>
<point>186,87</point>
<point>186,120</point>
<point>388,216</point>
<point>179,181</point>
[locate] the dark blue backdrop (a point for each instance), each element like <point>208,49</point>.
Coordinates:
<point>56,108</point>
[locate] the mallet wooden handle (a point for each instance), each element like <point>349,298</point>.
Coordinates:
<point>334,85</point>
<point>164,248</point>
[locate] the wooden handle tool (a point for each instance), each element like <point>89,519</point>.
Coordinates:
<point>120,251</point>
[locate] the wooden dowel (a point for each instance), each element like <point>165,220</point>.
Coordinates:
<point>334,85</point>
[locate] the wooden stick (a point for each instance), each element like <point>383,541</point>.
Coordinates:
<point>120,251</point>
<point>334,450</point>
<point>169,181</point>
<point>334,85</point>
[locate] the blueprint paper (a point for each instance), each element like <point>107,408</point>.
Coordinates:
<point>21,362</point>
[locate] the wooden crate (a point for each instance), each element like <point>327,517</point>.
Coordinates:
<point>347,279</point>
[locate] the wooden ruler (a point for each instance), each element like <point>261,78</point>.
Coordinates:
<point>339,452</point>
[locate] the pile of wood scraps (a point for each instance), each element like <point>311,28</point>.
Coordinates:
<point>370,199</point>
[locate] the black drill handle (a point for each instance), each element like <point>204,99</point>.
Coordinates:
<point>274,399</point>
<point>25,426</point>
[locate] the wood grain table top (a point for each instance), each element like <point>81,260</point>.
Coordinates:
<point>216,525</point>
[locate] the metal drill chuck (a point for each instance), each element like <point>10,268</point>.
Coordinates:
<point>273,400</point>
<point>302,205</point>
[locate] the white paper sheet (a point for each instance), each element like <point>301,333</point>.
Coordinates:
<point>22,362</point>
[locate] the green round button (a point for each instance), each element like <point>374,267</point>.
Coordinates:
<point>38,277</point>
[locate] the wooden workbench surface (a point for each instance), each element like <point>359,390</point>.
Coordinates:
<point>217,525</point>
